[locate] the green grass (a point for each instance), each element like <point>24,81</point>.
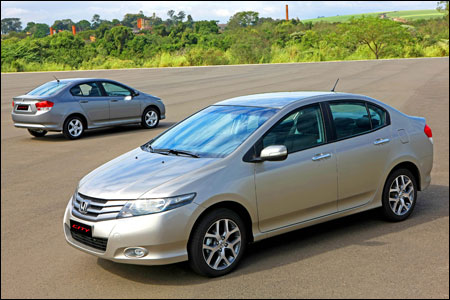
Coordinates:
<point>405,14</point>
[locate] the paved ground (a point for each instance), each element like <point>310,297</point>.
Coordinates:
<point>358,256</point>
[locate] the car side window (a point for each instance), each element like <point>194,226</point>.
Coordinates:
<point>377,116</point>
<point>89,89</point>
<point>350,118</point>
<point>112,89</point>
<point>299,130</point>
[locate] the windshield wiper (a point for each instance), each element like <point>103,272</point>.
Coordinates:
<point>177,152</point>
<point>174,151</point>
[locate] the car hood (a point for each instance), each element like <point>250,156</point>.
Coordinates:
<point>134,173</point>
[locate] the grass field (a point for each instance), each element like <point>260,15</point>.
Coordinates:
<point>405,14</point>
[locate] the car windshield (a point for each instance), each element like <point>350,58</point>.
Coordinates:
<point>47,89</point>
<point>215,131</point>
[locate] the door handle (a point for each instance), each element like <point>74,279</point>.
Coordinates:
<point>381,141</point>
<point>321,156</point>
<point>84,101</point>
<point>114,100</point>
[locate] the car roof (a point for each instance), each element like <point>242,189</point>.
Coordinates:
<point>74,80</point>
<point>276,100</point>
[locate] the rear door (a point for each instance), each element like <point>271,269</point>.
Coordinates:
<point>362,148</point>
<point>94,104</point>
<point>120,107</point>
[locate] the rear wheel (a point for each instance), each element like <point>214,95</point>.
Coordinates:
<point>217,243</point>
<point>399,195</point>
<point>37,132</point>
<point>150,118</point>
<point>73,128</point>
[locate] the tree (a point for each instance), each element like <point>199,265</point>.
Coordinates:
<point>83,25</point>
<point>181,15</point>
<point>374,32</point>
<point>40,30</point>
<point>442,6</point>
<point>206,27</point>
<point>11,24</point>
<point>243,19</point>
<point>119,36</point>
<point>130,20</point>
<point>96,21</point>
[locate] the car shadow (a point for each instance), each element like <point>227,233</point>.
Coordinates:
<point>94,133</point>
<point>359,229</point>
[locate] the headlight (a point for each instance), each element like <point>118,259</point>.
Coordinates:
<point>150,206</point>
<point>74,196</point>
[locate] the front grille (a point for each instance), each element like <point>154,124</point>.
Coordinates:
<point>97,243</point>
<point>97,209</point>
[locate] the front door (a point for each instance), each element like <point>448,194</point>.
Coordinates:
<point>304,186</point>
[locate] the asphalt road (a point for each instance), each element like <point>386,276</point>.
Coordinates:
<point>359,256</point>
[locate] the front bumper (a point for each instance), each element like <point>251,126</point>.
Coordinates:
<point>165,235</point>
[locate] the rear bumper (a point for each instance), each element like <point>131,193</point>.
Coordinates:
<point>46,121</point>
<point>426,167</point>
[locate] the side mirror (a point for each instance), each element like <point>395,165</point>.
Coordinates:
<point>128,98</point>
<point>274,153</point>
<point>135,93</point>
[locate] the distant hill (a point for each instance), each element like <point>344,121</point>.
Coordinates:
<point>403,14</point>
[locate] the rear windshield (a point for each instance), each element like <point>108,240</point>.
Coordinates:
<point>47,89</point>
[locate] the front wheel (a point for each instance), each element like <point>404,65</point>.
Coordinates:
<point>217,243</point>
<point>37,132</point>
<point>399,195</point>
<point>150,118</point>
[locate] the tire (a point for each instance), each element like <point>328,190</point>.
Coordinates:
<point>398,186</point>
<point>73,127</point>
<point>150,118</point>
<point>198,256</point>
<point>37,132</point>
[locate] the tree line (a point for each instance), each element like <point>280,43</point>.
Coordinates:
<point>181,41</point>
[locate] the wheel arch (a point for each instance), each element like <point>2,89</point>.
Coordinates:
<point>231,205</point>
<point>155,107</point>
<point>412,167</point>
<point>77,114</point>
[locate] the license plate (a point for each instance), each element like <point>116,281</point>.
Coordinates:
<point>22,107</point>
<point>80,228</point>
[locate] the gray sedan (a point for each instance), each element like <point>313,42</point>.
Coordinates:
<point>73,105</point>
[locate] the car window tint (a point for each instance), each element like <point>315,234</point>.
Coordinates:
<point>377,115</point>
<point>86,89</point>
<point>299,130</point>
<point>112,89</point>
<point>350,118</point>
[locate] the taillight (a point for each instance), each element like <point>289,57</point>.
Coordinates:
<point>428,133</point>
<point>44,105</point>
<point>13,103</point>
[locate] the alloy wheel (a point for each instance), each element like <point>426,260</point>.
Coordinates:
<point>401,195</point>
<point>75,127</point>
<point>151,118</point>
<point>221,244</point>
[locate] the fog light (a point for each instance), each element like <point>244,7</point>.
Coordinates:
<point>135,252</point>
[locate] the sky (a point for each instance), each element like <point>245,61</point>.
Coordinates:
<point>49,11</point>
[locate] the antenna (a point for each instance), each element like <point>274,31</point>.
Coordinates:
<point>335,85</point>
<point>56,78</point>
